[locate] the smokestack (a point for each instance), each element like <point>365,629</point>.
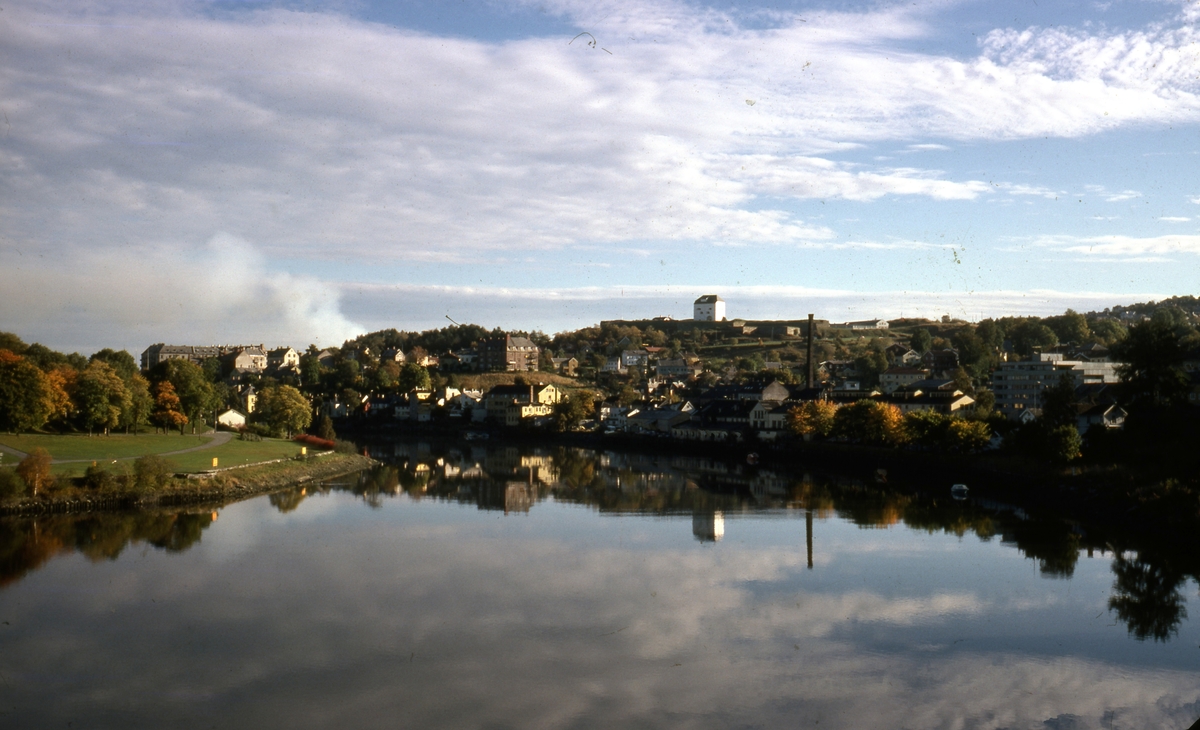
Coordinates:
<point>811,366</point>
<point>808,534</point>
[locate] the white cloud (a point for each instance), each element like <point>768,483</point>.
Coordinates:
<point>1174,219</point>
<point>319,135</point>
<point>221,291</point>
<point>571,307</point>
<point>1130,248</point>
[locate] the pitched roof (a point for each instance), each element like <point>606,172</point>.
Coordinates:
<point>709,299</point>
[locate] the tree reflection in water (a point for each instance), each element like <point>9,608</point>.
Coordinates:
<point>27,543</point>
<point>1147,597</point>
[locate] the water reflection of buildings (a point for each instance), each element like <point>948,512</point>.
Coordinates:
<point>708,526</point>
<point>711,491</point>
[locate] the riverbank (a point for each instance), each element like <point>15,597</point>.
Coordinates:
<point>221,487</point>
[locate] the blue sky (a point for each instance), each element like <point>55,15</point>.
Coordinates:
<point>302,172</point>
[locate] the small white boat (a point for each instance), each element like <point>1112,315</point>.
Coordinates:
<point>959,491</point>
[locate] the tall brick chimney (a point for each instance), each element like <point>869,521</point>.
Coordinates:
<point>812,372</point>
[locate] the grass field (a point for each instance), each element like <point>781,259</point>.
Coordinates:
<point>116,446</point>
<point>236,453</point>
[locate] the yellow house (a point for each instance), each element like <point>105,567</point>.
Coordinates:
<point>501,397</point>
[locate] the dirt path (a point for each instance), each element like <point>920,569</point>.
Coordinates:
<point>219,439</point>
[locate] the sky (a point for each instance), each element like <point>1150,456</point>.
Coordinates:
<point>302,172</point>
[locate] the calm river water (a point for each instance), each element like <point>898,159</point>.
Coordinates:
<point>542,588</point>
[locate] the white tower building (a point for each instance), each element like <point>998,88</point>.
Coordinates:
<point>709,308</point>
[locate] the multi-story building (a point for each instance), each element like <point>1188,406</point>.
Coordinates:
<point>1018,386</point>
<point>154,354</point>
<point>508,353</point>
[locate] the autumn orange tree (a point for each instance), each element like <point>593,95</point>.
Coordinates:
<point>812,418</point>
<point>869,422</point>
<point>167,413</point>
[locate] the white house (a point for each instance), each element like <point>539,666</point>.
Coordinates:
<point>709,308</point>
<point>232,419</point>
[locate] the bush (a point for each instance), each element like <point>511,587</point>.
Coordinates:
<point>11,485</point>
<point>98,477</point>
<point>255,431</point>
<point>152,472</point>
<point>345,447</point>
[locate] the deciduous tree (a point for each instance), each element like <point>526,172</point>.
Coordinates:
<point>1153,373</point>
<point>35,469</point>
<point>120,361</point>
<point>26,400</point>
<point>869,422</point>
<point>167,413</point>
<point>284,409</point>
<point>921,341</point>
<point>141,403</point>
<point>812,418</point>
<point>192,386</point>
<point>101,397</point>
<point>412,376</point>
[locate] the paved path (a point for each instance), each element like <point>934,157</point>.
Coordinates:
<point>221,438</point>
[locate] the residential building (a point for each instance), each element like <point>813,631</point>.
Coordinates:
<point>565,365</point>
<point>634,358</point>
<point>1105,415</point>
<point>942,396</point>
<point>902,355</point>
<point>252,359</point>
<point>283,358</point>
<point>232,418</point>
<point>613,365</point>
<point>893,379</point>
<point>867,324</point>
<point>326,358</point>
<point>770,415</point>
<point>499,398</point>
<point>508,353</point>
<point>155,354</point>
<point>1018,386</point>
<point>940,362</point>
<point>677,368</point>
<point>709,308</point>
<point>661,418</point>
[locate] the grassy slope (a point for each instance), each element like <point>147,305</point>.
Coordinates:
<point>107,448</point>
<point>484,381</point>
<point>236,453</point>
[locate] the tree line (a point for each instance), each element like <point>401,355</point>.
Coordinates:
<point>43,389</point>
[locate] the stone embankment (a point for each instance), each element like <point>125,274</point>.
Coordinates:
<point>217,487</point>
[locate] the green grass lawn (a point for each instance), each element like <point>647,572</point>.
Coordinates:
<point>116,446</point>
<point>236,453</point>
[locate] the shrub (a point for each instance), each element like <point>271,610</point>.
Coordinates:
<point>255,431</point>
<point>325,428</point>
<point>152,472</point>
<point>345,447</point>
<point>11,485</point>
<point>98,477</point>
